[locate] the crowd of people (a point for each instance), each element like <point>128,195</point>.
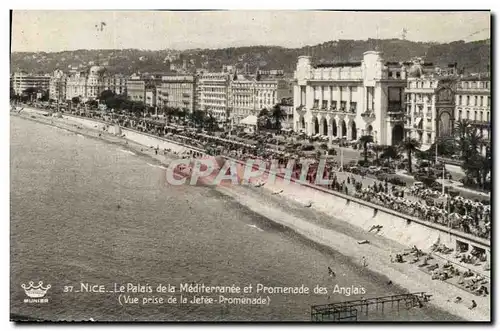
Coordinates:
<point>445,271</point>
<point>457,212</point>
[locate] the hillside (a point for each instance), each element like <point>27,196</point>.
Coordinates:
<point>473,56</point>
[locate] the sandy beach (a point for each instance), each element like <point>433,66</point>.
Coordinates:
<point>317,224</point>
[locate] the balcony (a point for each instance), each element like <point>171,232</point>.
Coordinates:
<point>368,114</point>
<point>480,123</point>
<point>394,107</point>
<point>398,116</point>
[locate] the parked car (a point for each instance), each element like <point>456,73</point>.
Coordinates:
<point>388,170</point>
<point>419,184</point>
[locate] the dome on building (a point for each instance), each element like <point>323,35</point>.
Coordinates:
<point>95,70</point>
<point>415,70</point>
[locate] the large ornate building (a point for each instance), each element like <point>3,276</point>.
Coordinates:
<point>21,81</point>
<point>430,104</point>
<point>251,94</point>
<point>348,100</point>
<point>473,102</point>
<point>116,83</point>
<point>89,84</point>
<point>214,94</point>
<point>178,91</point>
<point>86,85</point>
<point>57,86</point>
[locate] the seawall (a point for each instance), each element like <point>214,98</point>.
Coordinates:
<point>404,229</point>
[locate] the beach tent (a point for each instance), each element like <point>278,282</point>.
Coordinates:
<point>250,123</point>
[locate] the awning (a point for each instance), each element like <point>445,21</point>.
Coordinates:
<point>249,120</point>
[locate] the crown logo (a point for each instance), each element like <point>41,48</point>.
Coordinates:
<point>35,291</point>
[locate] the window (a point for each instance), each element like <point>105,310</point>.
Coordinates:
<point>342,105</point>
<point>325,104</point>
<point>475,115</point>
<point>316,104</point>
<point>488,116</point>
<point>460,114</point>
<point>468,115</point>
<point>302,95</point>
<point>489,101</point>
<point>481,101</point>
<point>353,107</point>
<point>459,100</point>
<point>395,96</point>
<point>481,116</point>
<point>334,105</point>
<point>468,101</point>
<point>475,100</point>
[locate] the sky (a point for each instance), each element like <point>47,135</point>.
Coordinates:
<point>53,31</point>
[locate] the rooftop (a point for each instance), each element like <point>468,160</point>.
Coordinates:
<point>338,65</point>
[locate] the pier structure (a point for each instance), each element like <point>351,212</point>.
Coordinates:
<point>345,311</point>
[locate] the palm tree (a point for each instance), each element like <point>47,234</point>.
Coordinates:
<point>390,152</point>
<point>365,140</point>
<point>473,161</point>
<point>209,121</point>
<point>462,127</point>
<point>263,118</point>
<point>278,115</point>
<point>410,145</point>
<point>30,92</point>
<point>169,112</point>
<point>377,149</point>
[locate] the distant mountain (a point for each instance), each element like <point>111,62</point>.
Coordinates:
<point>473,56</point>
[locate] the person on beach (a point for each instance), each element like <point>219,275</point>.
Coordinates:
<point>474,305</point>
<point>330,272</point>
<point>363,261</point>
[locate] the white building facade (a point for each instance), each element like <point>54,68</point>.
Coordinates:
<point>214,94</point>
<point>348,100</point>
<point>177,91</point>
<point>86,85</point>
<point>473,102</point>
<point>57,86</point>
<point>21,81</point>
<point>249,96</point>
